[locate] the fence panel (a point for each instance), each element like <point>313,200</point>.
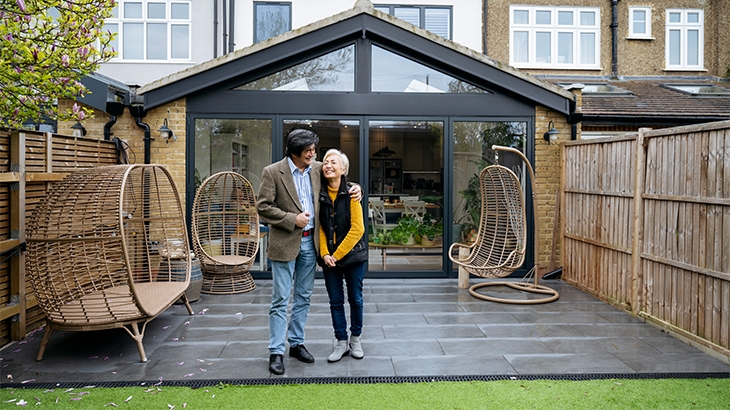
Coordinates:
<point>29,162</point>
<point>675,270</point>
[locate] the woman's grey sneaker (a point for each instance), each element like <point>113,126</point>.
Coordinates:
<point>340,350</point>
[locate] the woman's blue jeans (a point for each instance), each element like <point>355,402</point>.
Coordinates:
<point>352,276</point>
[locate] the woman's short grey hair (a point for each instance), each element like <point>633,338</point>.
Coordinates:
<point>343,159</point>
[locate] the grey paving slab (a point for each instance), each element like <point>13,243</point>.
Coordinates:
<point>673,363</point>
<point>414,327</point>
<point>432,332</point>
<point>599,345</point>
<point>452,365</point>
<point>530,330</point>
<point>418,307</point>
<point>567,363</point>
<point>469,318</point>
<point>481,347</point>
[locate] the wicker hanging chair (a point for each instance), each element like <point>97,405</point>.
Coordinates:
<point>502,236</point>
<point>96,246</point>
<point>226,235</point>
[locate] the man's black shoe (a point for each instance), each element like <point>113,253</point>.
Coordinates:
<point>276,364</point>
<point>301,353</point>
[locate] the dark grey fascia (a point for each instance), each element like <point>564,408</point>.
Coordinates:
<point>298,49</point>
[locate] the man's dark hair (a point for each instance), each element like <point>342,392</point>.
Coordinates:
<point>298,140</point>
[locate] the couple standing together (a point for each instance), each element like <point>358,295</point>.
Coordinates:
<point>313,218</point>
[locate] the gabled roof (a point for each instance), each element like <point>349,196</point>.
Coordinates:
<point>360,21</point>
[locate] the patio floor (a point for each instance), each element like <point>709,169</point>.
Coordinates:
<point>413,328</point>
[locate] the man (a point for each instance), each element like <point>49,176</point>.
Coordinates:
<point>286,201</point>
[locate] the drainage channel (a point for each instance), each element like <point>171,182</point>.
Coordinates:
<point>194,384</point>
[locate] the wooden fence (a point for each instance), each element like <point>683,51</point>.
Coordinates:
<point>646,227</point>
<point>29,162</point>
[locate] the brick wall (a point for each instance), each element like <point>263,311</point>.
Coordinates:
<point>547,180</point>
<point>171,155</point>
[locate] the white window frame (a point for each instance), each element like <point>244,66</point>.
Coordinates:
<point>120,20</point>
<point>684,27</point>
<point>647,13</point>
<point>575,29</point>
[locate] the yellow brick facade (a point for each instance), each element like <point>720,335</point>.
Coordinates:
<point>171,154</point>
<point>547,181</point>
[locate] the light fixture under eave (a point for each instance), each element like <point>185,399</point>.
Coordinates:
<point>166,132</point>
<point>78,129</point>
<point>551,134</point>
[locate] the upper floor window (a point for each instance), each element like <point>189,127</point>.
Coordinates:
<point>640,22</point>
<point>555,37</point>
<point>151,29</point>
<point>436,19</point>
<point>270,19</point>
<point>685,39</point>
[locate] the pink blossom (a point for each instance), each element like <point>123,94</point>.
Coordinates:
<point>21,4</point>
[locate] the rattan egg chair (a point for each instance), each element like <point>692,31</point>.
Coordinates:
<point>225,227</point>
<point>502,236</point>
<point>94,254</point>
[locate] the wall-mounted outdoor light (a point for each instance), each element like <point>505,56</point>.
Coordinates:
<point>551,134</point>
<point>78,129</point>
<point>166,132</point>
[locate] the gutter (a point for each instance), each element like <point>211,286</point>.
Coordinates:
<point>614,39</point>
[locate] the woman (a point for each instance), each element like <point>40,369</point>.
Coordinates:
<point>343,252</point>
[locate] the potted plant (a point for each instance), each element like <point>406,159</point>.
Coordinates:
<point>430,229</point>
<point>405,231</point>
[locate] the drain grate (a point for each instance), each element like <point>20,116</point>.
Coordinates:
<point>194,384</point>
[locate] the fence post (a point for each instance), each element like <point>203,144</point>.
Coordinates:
<point>640,174</point>
<point>17,231</point>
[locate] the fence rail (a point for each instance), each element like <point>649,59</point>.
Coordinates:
<point>29,162</point>
<point>646,227</point>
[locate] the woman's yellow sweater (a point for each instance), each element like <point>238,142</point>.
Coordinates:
<point>357,229</point>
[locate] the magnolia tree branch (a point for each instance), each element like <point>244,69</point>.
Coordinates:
<point>46,48</point>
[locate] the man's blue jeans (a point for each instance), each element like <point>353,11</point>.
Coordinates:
<point>299,275</point>
<point>333,280</point>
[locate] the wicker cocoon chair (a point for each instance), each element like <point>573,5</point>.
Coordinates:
<point>502,236</point>
<point>93,257</point>
<point>225,227</point>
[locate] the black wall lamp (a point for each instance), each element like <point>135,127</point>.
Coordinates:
<point>166,132</point>
<point>551,134</point>
<point>78,129</point>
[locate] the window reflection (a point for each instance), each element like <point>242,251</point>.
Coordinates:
<point>394,73</point>
<point>405,195</point>
<point>334,71</point>
<point>472,153</point>
<point>243,146</point>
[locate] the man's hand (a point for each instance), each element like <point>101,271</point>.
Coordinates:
<point>355,192</point>
<point>302,220</point>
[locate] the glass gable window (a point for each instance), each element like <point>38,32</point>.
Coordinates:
<point>436,19</point>
<point>554,37</point>
<point>270,19</point>
<point>394,73</point>
<point>685,39</point>
<point>157,30</point>
<point>331,72</point>
<point>640,22</point>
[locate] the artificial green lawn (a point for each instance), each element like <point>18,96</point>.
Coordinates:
<point>507,394</point>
